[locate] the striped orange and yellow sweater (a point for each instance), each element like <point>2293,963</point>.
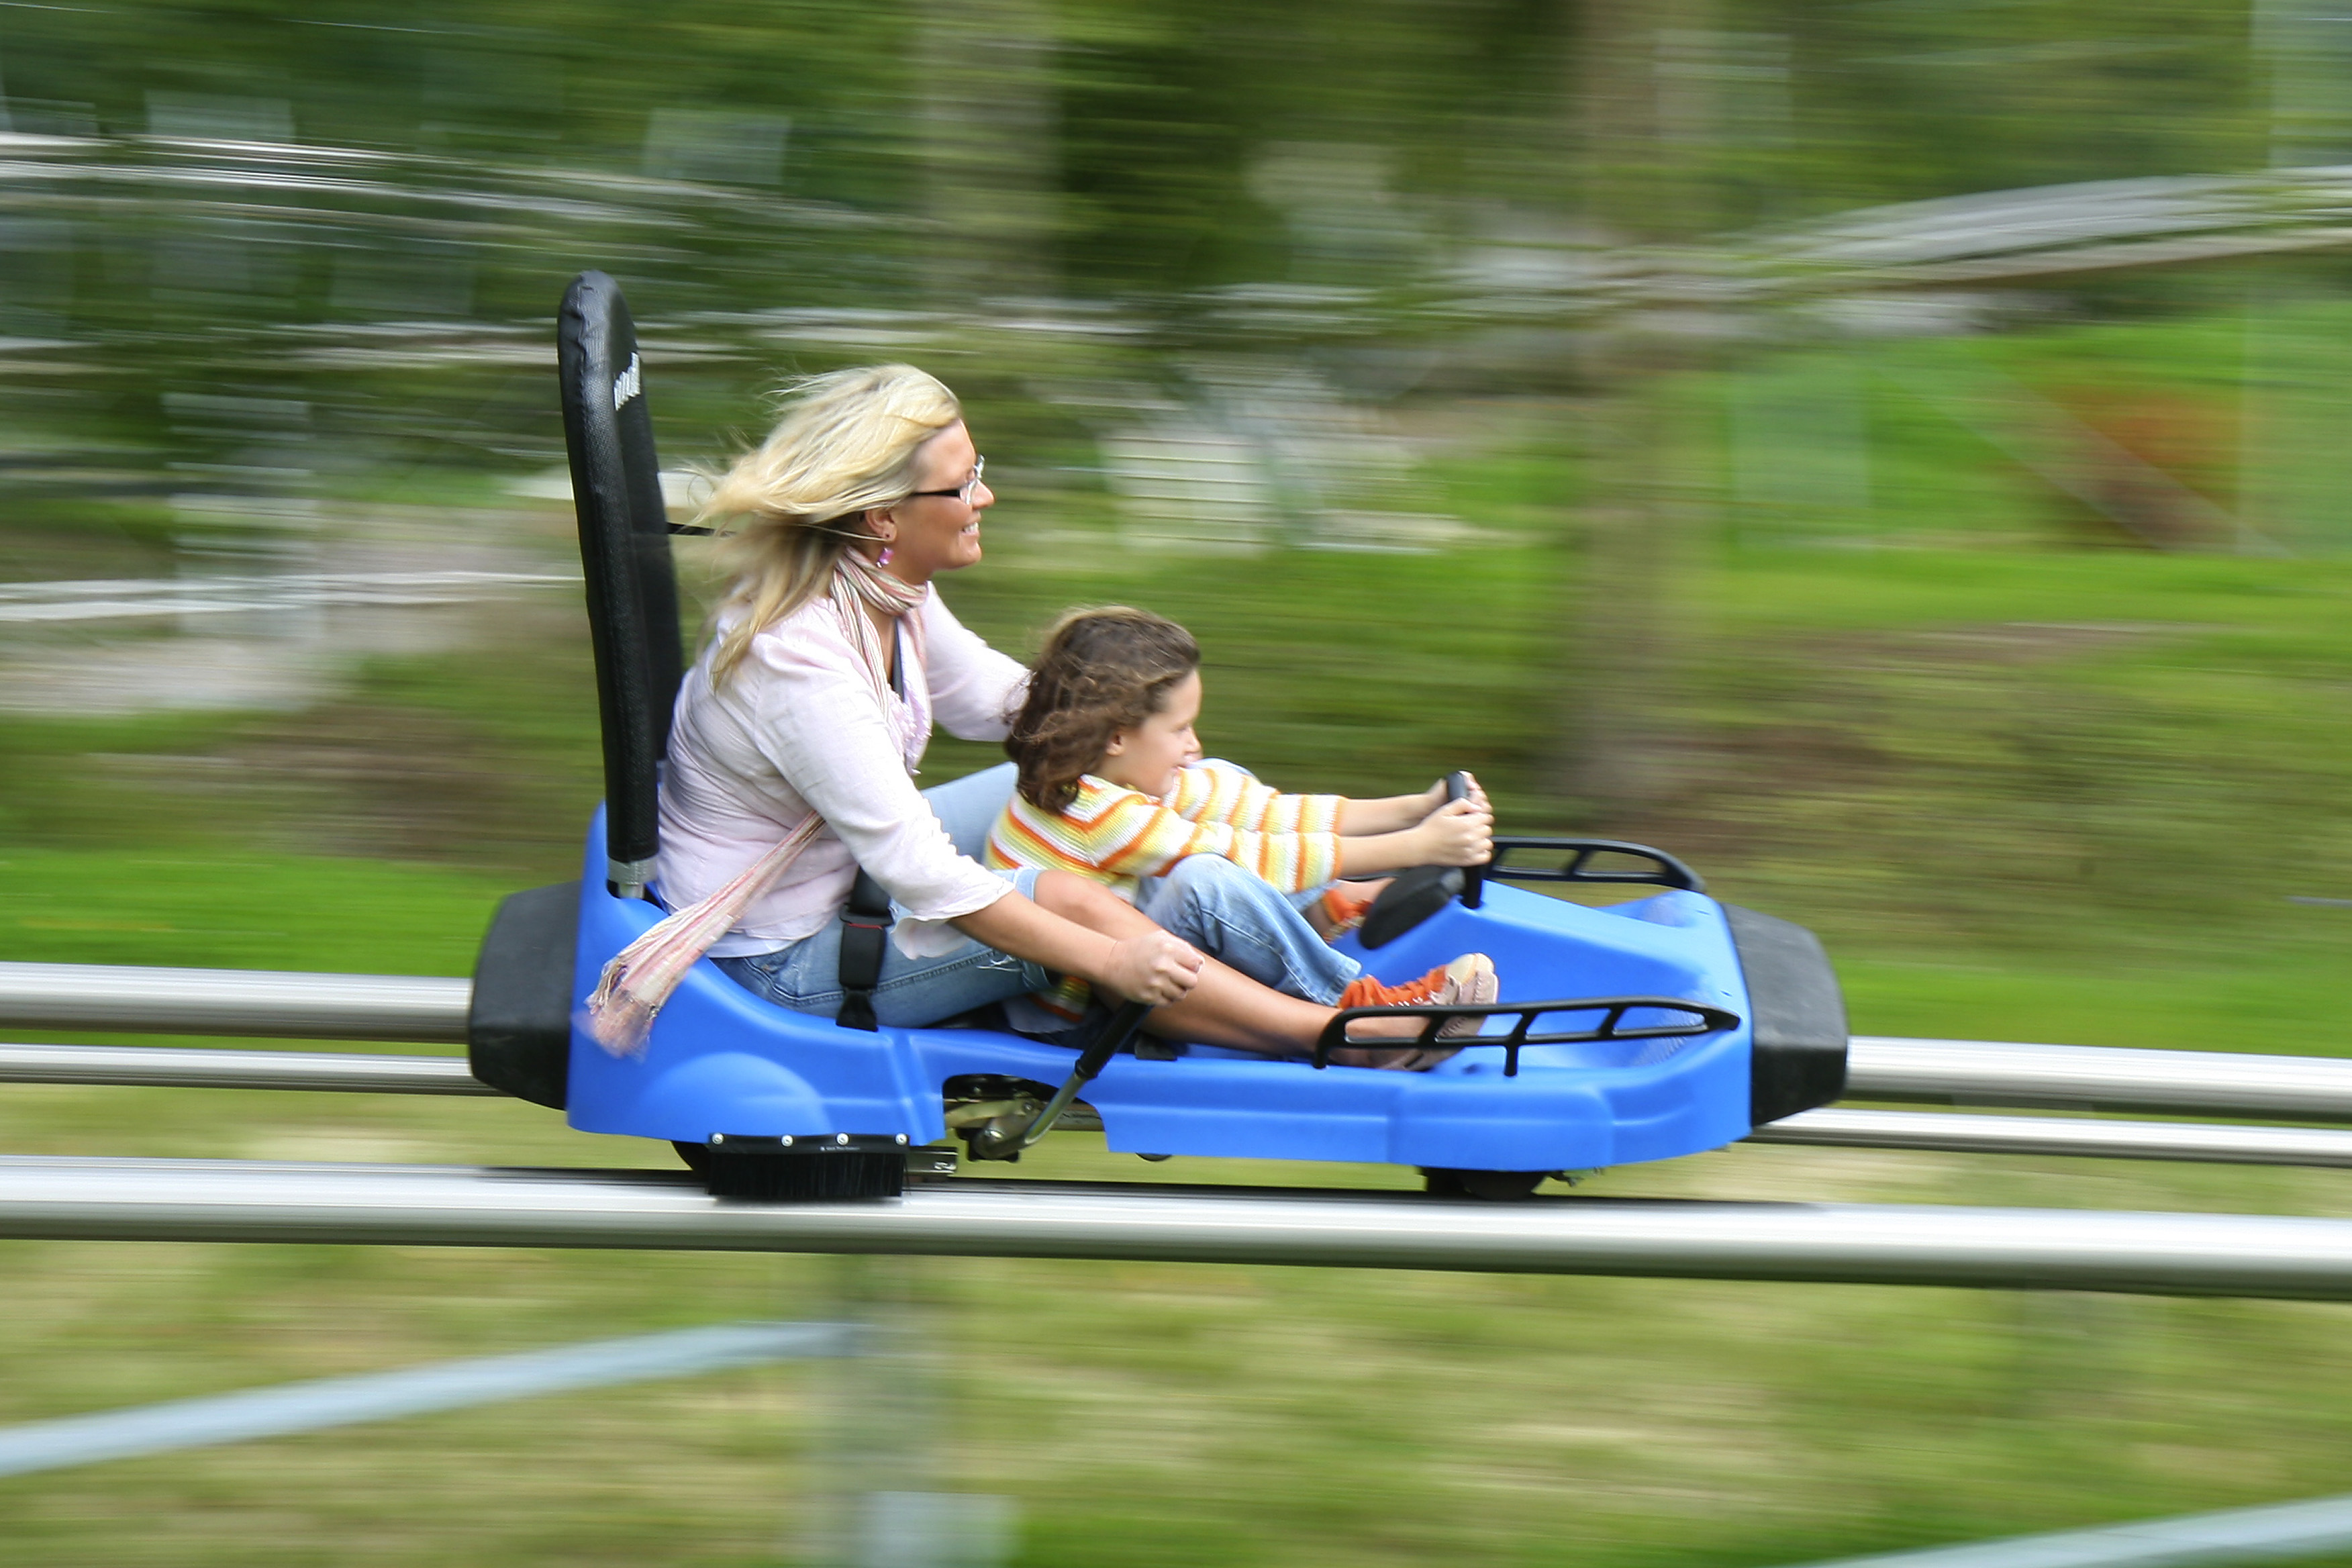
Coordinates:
<point>1119,836</point>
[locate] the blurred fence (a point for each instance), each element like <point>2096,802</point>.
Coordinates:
<point>314,1406</point>
<point>2281,1533</point>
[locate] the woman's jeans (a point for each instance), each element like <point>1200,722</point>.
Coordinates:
<point>806,976</point>
<point>1207,900</point>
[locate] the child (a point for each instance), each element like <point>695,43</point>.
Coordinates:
<point>1113,786</point>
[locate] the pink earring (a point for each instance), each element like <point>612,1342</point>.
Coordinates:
<point>885,558</point>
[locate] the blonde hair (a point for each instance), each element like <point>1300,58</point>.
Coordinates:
<point>846,441</point>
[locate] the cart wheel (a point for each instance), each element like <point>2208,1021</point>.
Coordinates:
<point>1495,1186</point>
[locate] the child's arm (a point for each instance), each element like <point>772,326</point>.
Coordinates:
<point>1460,834</point>
<point>1112,832</point>
<point>1133,836</point>
<point>1373,835</point>
<point>1394,814</point>
<point>1218,791</point>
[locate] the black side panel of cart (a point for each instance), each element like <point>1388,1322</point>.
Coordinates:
<point>519,1030</point>
<point>1798,1014</point>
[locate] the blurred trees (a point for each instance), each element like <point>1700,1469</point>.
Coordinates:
<point>1143,130</point>
<point>1326,184</point>
<point>1141,155</point>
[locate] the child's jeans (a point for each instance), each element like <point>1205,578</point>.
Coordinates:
<point>1243,921</point>
<point>1235,917</point>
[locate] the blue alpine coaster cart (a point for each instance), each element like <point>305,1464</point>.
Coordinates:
<point>1651,1028</point>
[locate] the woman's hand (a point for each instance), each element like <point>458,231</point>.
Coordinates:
<point>1151,966</point>
<point>1072,929</point>
<point>1461,833</point>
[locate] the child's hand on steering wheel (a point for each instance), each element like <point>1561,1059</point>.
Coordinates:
<point>1461,833</point>
<point>1433,796</point>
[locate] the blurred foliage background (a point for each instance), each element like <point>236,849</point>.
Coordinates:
<point>1892,453</point>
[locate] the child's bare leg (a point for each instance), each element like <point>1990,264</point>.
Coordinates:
<point>1226,1008</point>
<point>1229,1008</point>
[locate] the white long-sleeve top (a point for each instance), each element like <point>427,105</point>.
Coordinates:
<point>796,728</point>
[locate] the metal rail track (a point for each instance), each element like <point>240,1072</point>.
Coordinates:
<point>2159,1254</point>
<point>398,1007</point>
<point>1983,1073</point>
<point>2075,1137</point>
<point>211,1066</point>
<point>2101,1078</point>
<point>280,1004</point>
<point>156,1066</point>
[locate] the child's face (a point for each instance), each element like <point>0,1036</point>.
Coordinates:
<point>1147,757</point>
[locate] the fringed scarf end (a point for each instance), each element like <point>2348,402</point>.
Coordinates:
<point>616,1017</point>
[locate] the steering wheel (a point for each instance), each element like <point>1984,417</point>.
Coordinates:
<point>1411,897</point>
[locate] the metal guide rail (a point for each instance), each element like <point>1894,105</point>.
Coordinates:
<point>163,1066</point>
<point>431,1010</point>
<point>209,1067</point>
<point>2160,1254</point>
<point>2076,1137</point>
<point>426,1009</point>
<point>2101,1078</point>
<point>1982,1073</point>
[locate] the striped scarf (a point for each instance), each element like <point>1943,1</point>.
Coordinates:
<point>869,587</point>
<point>640,978</point>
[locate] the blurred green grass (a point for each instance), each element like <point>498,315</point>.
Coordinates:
<point>246,911</point>
<point>1147,1414</point>
<point>2027,787</point>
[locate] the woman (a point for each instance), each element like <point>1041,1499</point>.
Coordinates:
<point>831,656</point>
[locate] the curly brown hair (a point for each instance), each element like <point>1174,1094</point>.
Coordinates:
<point>1101,671</point>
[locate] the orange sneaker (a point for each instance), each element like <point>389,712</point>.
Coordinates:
<point>1342,912</point>
<point>1468,980</point>
<point>1480,988</point>
<point>1364,991</point>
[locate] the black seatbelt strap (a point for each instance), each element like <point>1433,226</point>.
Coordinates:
<point>865,927</point>
<point>866,922</point>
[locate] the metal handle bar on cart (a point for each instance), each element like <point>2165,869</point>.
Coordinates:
<point>1669,872</point>
<point>1116,1033</point>
<point>1709,1020</point>
<point>1413,896</point>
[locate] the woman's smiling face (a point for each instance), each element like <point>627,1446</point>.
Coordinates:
<point>930,533</point>
<point>1149,757</point>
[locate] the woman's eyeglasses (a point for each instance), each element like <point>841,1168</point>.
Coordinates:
<point>962,492</point>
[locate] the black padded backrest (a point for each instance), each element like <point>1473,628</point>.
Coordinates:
<point>625,551</point>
